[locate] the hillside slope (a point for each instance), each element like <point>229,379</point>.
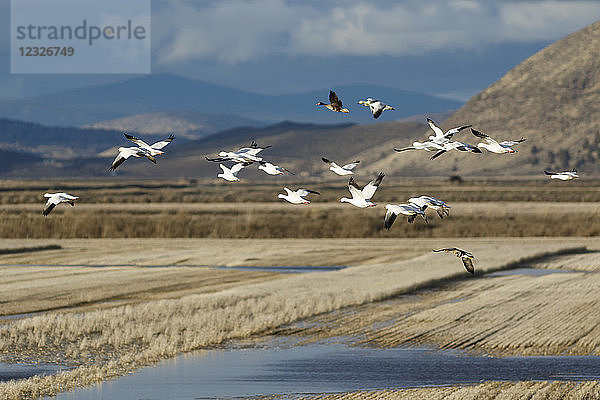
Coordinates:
<point>552,99</point>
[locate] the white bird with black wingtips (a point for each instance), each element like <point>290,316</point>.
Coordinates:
<point>493,145</point>
<point>343,170</point>
<point>410,210</point>
<point>442,137</point>
<point>563,175</point>
<point>297,197</point>
<point>55,199</point>
<point>442,209</point>
<point>377,106</point>
<point>362,197</point>
<point>273,169</point>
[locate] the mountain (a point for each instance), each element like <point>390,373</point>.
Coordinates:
<point>552,98</point>
<point>167,92</point>
<point>55,141</point>
<point>186,124</point>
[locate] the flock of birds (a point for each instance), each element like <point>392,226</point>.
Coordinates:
<point>440,142</point>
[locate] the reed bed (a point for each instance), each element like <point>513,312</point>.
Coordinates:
<point>281,220</point>
<point>110,342</point>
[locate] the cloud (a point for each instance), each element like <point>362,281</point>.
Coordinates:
<point>233,32</point>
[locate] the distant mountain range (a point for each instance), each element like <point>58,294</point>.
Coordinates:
<point>552,99</point>
<point>172,93</point>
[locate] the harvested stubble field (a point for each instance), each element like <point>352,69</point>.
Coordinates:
<point>112,340</point>
<point>283,220</point>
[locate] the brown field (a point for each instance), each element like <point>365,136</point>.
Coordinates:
<point>393,189</point>
<point>107,341</point>
<point>284,220</point>
<point>81,276</point>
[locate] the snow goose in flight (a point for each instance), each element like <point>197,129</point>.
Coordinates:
<point>466,257</point>
<point>273,169</point>
<point>245,154</point>
<point>440,137</point>
<point>56,198</point>
<point>153,149</point>
<point>343,170</point>
<point>442,209</point>
<point>410,210</point>
<point>230,174</point>
<point>563,175</point>
<point>376,106</point>
<point>427,146</point>
<point>460,146</point>
<point>296,197</point>
<point>492,145</point>
<point>362,197</point>
<point>335,103</point>
<point>126,152</point>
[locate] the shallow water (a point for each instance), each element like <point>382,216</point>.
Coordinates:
<point>22,371</point>
<point>327,368</point>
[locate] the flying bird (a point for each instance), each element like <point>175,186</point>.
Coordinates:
<point>335,103</point>
<point>296,197</point>
<point>563,175</point>
<point>460,146</point>
<point>376,106</point>
<point>126,152</point>
<point>410,210</point>
<point>55,199</point>
<point>273,169</point>
<point>245,154</point>
<point>493,145</point>
<point>143,150</point>
<point>230,174</point>
<point>343,170</point>
<point>362,197</point>
<point>440,137</point>
<point>466,257</point>
<point>442,209</point>
<point>427,146</point>
<point>155,148</point>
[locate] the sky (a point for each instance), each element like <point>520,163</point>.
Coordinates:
<point>452,48</point>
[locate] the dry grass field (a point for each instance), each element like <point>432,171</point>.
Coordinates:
<point>283,220</point>
<point>91,284</point>
<point>109,341</point>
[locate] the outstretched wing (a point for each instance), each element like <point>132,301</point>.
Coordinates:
<point>369,189</point>
<point>436,155</point>
<point>484,137</point>
<point>438,131</point>
<point>447,249</point>
<point>162,143</point>
<point>468,263</point>
<point>334,100</point>
<point>354,189</point>
<point>451,132</point>
<point>389,219</point>
<point>511,143</point>
<point>405,149</point>
<point>137,141</point>
<point>351,166</point>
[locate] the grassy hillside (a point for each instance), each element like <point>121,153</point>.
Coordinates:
<point>552,99</point>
